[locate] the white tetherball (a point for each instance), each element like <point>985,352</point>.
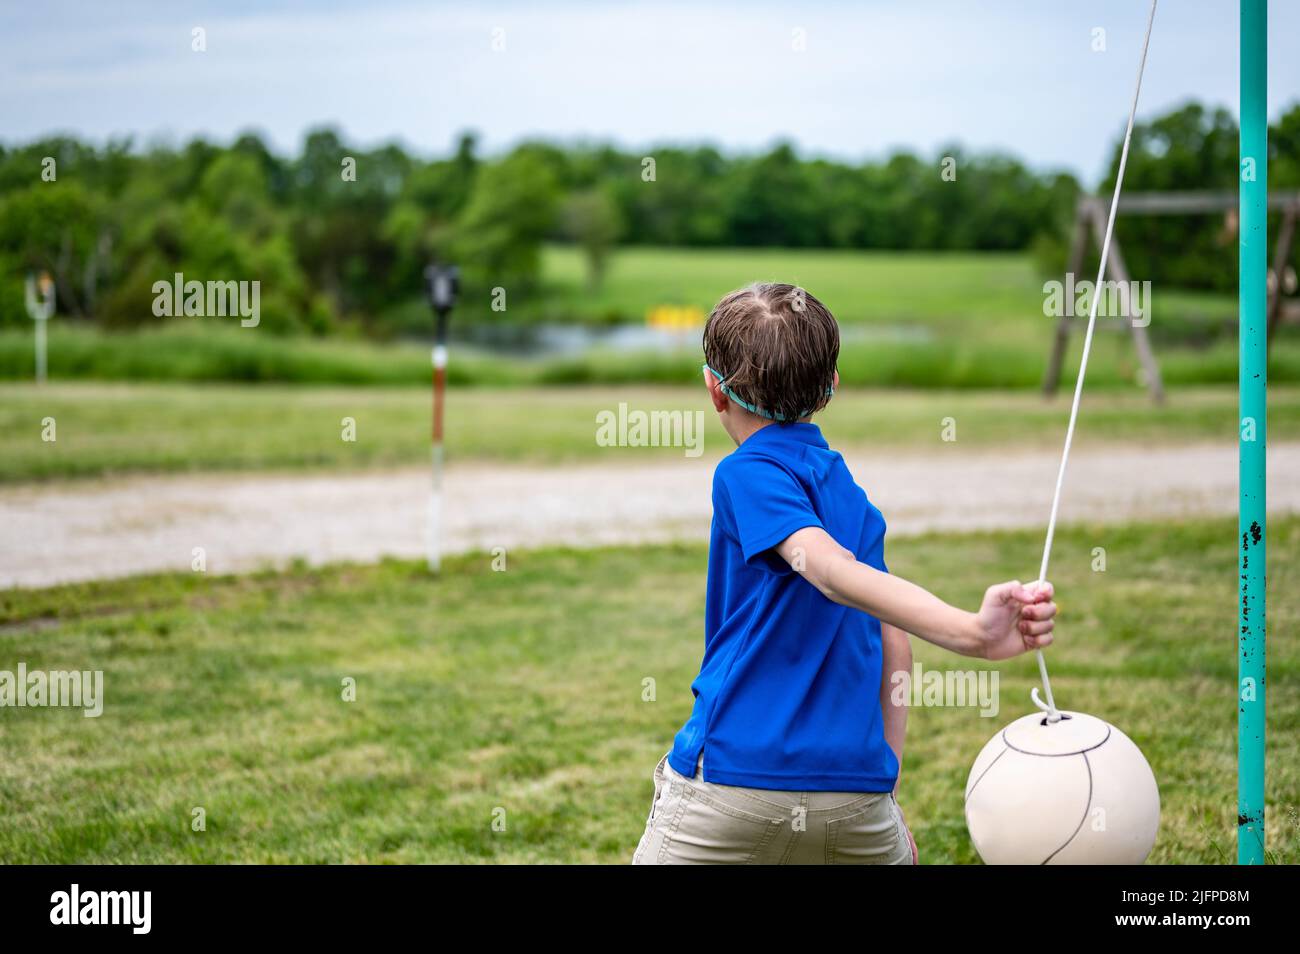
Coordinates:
<point>1076,791</point>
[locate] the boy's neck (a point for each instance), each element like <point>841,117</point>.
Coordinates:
<point>743,428</point>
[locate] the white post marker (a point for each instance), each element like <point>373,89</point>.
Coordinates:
<point>433,539</point>
<point>443,282</point>
<point>40,309</point>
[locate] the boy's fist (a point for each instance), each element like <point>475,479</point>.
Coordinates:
<point>1015,618</point>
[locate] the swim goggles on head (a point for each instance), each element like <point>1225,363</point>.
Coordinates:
<point>752,408</point>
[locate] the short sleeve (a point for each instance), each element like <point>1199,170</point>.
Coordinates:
<point>767,503</point>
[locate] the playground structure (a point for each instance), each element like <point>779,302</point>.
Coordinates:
<point>1090,225</point>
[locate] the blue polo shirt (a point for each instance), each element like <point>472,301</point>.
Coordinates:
<point>788,695</point>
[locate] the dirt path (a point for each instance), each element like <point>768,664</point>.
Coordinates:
<point>80,531</point>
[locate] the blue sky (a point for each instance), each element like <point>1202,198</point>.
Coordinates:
<point>1013,75</point>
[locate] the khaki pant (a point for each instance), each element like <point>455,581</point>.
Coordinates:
<point>694,822</point>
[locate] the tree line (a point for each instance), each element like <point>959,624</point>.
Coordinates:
<point>338,235</point>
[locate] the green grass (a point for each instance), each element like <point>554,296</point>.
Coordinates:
<point>944,291</point>
<point>905,288</point>
<point>120,428</point>
<point>910,319</point>
<point>521,692</point>
<point>198,352</point>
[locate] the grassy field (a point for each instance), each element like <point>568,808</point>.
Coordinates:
<point>879,288</point>
<point>920,320</point>
<point>520,692</point>
<point>943,290</point>
<point>121,428</point>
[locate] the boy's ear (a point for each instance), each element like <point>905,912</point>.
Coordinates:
<point>835,381</point>
<point>715,391</point>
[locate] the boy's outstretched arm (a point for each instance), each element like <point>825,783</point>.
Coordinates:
<point>1012,619</point>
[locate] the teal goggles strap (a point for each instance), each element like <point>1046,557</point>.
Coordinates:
<point>753,409</point>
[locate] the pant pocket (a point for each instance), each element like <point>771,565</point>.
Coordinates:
<point>656,801</point>
<point>706,830</point>
<point>872,835</point>
<point>659,780</point>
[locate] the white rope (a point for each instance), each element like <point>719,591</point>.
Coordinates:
<point>1050,705</point>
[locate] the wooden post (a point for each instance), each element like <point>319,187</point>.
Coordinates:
<point>1281,258</point>
<point>1119,273</point>
<point>1085,212</point>
<point>1091,218</point>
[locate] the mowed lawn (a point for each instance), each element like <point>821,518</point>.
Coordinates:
<point>106,428</point>
<point>979,292</point>
<point>520,698</point>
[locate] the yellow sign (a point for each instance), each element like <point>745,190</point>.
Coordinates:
<point>675,317</point>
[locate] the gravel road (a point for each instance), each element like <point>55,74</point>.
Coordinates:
<point>86,530</point>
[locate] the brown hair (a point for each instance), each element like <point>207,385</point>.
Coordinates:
<point>776,345</point>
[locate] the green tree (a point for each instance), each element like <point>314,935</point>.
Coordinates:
<point>511,210</point>
<point>53,227</point>
<point>591,219</point>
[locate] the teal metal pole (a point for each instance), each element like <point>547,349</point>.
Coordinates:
<point>1252,293</point>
